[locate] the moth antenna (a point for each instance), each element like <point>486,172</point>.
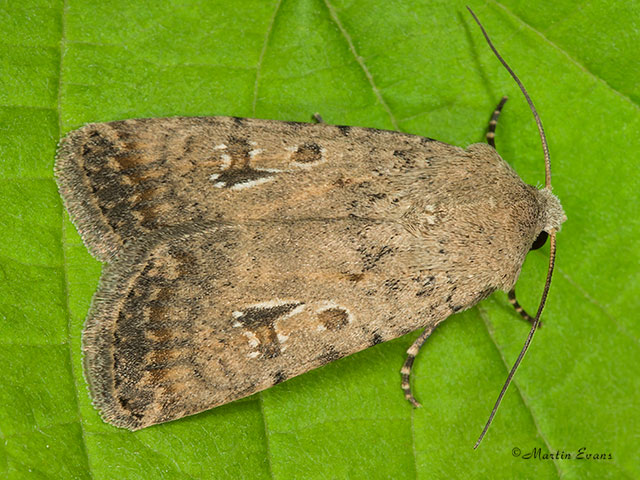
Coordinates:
<point>552,234</point>
<point>545,292</point>
<point>543,137</point>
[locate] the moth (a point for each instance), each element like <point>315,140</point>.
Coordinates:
<point>240,253</point>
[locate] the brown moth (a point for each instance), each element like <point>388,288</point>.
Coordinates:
<point>240,253</point>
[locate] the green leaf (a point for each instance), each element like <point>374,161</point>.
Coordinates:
<point>419,67</point>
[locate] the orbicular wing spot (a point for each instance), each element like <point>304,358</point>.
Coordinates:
<point>307,154</point>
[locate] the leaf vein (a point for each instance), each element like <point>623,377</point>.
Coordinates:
<point>485,319</point>
<point>566,54</point>
<point>263,52</point>
<point>266,435</point>
<point>363,66</point>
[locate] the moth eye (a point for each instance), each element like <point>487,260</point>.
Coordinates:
<point>540,241</point>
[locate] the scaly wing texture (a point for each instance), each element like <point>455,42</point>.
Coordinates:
<point>124,180</point>
<point>253,265</point>
<point>202,317</point>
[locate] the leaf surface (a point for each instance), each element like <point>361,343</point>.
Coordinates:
<point>419,67</point>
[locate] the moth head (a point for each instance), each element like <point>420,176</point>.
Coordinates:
<point>553,217</point>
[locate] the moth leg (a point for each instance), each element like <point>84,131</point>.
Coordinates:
<point>491,132</point>
<point>405,371</point>
<point>316,116</point>
<point>519,309</point>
